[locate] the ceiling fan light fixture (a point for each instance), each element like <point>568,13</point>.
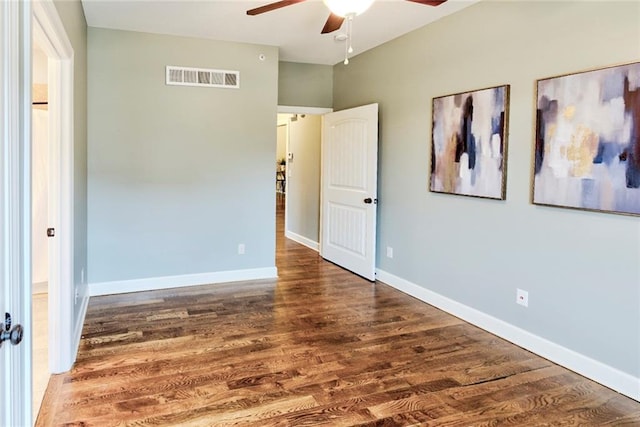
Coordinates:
<point>346,8</point>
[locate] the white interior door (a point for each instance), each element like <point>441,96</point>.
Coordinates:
<point>349,189</point>
<point>15,199</point>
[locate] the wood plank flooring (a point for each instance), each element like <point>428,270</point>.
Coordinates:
<point>317,347</point>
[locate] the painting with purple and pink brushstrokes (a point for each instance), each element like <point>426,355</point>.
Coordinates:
<point>587,147</point>
<point>469,146</point>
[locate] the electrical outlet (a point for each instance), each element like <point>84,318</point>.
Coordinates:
<point>241,249</point>
<point>522,297</point>
<point>76,296</point>
<point>389,252</point>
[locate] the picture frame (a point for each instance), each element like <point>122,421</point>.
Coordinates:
<point>587,140</point>
<point>469,143</point>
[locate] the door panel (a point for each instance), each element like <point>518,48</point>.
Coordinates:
<point>347,153</point>
<point>349,229</point>
<point>349,179</point>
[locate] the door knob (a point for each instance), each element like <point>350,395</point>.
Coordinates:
<point>369,200</point>
<point>7,333</point>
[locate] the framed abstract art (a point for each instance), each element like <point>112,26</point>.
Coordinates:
<point>587,144</point>
<point>469,143</point>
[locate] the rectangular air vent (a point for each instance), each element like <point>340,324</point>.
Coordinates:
<point>186,76</point>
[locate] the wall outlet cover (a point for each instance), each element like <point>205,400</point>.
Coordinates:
<point>522,297</point>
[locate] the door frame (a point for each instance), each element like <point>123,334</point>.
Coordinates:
<point>50,35</point>
<point>292,109</point>
<point>286,171</point>
<point>15,206</point>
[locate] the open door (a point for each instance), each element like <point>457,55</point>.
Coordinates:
<point>349,189</point>
<point>15,224</point>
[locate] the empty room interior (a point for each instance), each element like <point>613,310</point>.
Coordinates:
<point>214,157</point>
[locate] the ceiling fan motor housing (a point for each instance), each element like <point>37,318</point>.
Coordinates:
<point>344,8</point>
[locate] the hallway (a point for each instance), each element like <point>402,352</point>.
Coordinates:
<point>317,346</point>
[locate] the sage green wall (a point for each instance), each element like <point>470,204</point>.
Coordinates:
<point>179,176</point>
<point>75,25</point>
<point>582,269</point>
<point>303,187</point>
<point>308,85</point>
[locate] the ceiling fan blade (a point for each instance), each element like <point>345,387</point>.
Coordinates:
<point>429,2</point>
<point>334,22</point>
<point>272,6</point>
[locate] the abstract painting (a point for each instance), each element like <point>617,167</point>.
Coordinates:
<point>587,147</point>
<point>469,143</point>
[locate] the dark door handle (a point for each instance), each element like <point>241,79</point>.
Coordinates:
<point>7,333</point>
<point>368,200</point>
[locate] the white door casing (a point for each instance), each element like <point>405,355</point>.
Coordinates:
<point>52,38</point>
<point>349,189</point>
<point>15,208</point>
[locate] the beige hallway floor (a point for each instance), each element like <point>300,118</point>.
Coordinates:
<point>40,349</point>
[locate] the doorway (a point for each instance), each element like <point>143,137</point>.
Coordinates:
<point>39,223</point>
<point>335,206</point>
<point>281,171</point>
<point>300,203</point>
<point>50,36</point>
<point>39,21</point>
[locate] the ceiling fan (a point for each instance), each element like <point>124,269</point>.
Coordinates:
<point>340,10</point>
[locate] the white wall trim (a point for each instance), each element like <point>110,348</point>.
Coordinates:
<point>40,288</point>
<point>302,240</point>
<point>15,207</point>
<point>604,374</point>
<point>77,330</point>
<point>292,109</point>
<point>50,35</point>
<point>49,32</point>
<point>155,283</point>
<point>287,149</point>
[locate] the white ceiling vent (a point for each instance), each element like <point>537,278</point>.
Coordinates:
<point>185,76</point>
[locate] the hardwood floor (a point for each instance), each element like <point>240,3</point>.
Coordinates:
<point>318,346</point>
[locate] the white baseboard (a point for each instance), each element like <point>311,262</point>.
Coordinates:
<point>302,240</point>
<point>40,288</point>
<point>604,374</point>
<point>154,283</point>
<point>77,330</point>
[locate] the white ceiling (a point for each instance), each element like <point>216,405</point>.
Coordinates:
<point>294,29</point>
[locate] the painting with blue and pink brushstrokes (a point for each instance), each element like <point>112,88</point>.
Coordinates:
<point>587,145</point>
<point>468,150</point>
